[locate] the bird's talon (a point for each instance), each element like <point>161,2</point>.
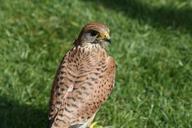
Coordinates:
<point>93,125</point>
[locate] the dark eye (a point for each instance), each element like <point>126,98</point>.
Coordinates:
<point>93,33</point>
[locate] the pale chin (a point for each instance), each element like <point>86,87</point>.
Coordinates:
<point>104,44</point>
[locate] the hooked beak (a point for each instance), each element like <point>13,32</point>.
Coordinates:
<point>105,36</point>
<point>108,40</point>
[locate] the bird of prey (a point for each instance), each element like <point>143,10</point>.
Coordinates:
<point>84,79</point>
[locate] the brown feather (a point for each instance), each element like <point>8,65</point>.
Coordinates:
<point>84,80</point>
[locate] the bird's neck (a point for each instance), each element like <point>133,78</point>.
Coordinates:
<point>91,47</point>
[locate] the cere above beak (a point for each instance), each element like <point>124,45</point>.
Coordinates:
<point>105,36</point>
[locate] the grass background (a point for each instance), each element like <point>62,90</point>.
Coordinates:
<point>152,45</point>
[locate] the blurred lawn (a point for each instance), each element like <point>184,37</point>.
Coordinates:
<point>152,44</point>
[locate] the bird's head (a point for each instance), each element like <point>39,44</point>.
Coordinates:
<point>94,33</point>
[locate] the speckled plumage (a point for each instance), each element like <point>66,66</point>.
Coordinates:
<point>84,80</point>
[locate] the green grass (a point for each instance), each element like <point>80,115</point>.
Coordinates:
<point>152,45</point>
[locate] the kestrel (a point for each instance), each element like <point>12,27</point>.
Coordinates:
<point>83,81</point>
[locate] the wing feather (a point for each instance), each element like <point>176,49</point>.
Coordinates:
<point>83,82</point>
